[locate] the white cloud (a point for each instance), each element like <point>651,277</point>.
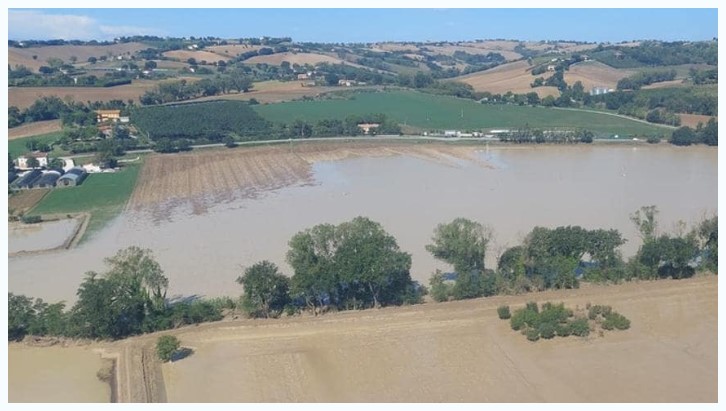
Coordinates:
<point>36,25</point>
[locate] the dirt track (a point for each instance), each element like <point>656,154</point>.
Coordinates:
<point>461,352</point>
<point>224,175</point>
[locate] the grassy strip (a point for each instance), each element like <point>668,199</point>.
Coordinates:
<point>17,147</point>
<point>104,195</point>
<point>431,112</point>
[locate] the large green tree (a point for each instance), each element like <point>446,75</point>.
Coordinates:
<point>265,290</point>
<point>355,264</point>
<point>461,243</point>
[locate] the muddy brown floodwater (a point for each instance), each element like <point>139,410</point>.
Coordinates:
<point>517,189</point>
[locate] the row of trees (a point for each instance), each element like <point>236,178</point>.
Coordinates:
<point>560,257</point>
<point>357,265</point>
<point>528,135</point>
<point>658,53</point>
<point>70,112</point>
<point>636,81</point>
<point>181,90</point>
<point>708,134</point>
<point>352,265</point>
<point>128,298</point>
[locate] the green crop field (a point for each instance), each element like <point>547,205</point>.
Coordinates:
<point>431,112</point>
<point>103,195</point>
<point>17,147</point>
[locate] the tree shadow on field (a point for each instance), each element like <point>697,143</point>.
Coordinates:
<point>181,354</point>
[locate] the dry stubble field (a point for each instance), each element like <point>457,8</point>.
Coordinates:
<point>462,352</point>
<point>514,77</point>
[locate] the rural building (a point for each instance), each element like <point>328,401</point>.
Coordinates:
<point>91,168</point>
<point>346,83</point>
<point>596,91</point>
<point>451,133</point>
<point>551,67</point>
<point>366,127</point>
<point>303,76</point>
<point>26,180</point>
<point>22,162</point>
<point>107,115</point>
<point>72,177</point>
<point>47,179</point>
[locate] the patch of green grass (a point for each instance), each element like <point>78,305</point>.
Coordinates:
<point>432,112</point>
<point>103,195</point>
<point>17,147</point>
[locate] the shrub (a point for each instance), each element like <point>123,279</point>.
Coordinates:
<point>533,335</point>
<point>554,313</point>
<point>31,219</point>
<point>580,327</point>
<point>166,346</point>
<point>615,320</point>
<point>517,322</point>
<point>563,330</point>
<point>504,313</point>
<point>546,330</point>
<point>532,306</point>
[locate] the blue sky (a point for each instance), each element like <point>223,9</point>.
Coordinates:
<point>369,25</point>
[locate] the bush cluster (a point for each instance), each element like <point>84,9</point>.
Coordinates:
<point>551,320</point>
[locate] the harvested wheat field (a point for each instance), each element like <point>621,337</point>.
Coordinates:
<point>212,176</point>
<point>515,77</point>
<point>55,374</point>
<point>692,120</point>
<point>23,97</point>
<point>462,352</point>
<point>293,58</point>
<point>34,129</point>
<point>198,55</point>
<point>24,56</point>
<point>232,50</point>
<point>595,74</point>
<point>273,91</point>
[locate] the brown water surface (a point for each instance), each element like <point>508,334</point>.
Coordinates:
<point>591,186</point>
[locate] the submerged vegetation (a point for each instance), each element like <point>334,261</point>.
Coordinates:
<point>358,265</point>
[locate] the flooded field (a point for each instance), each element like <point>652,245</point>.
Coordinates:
<point>512,189</point>
<point>55,374</point>
<point>41,236</point>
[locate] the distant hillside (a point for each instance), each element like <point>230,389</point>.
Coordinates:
<point>34,57</point>
<point>595,74</point>
<point>515,77</point>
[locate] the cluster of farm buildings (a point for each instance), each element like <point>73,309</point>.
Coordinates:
<point>27,176</point>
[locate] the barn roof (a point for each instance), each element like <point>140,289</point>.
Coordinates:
<point>48,178</point>
<point>28,178</point>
